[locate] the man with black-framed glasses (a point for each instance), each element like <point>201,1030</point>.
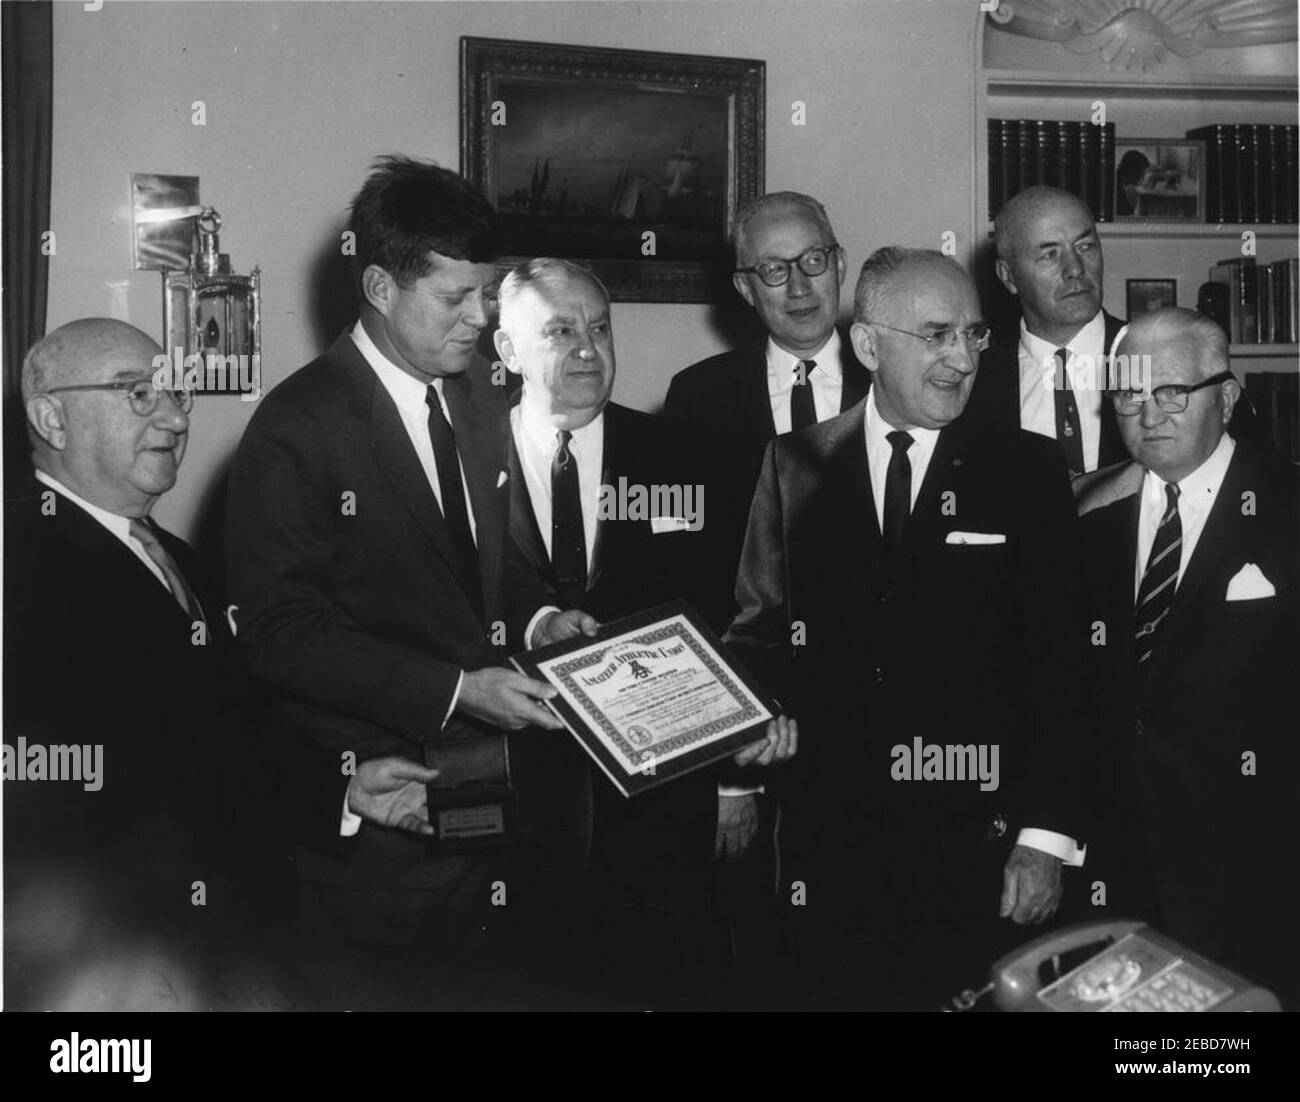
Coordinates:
<point>1191,558</point>
<point>800,370</point>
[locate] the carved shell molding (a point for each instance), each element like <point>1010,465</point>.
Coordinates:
<point>1141,34</point>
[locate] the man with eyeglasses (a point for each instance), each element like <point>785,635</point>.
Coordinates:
<point>909,587</point>
<point>800,371</point>
<point>1192,561</point>
<point>1049,376</point>
<point>118,664</point>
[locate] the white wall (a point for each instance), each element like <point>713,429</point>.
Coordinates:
<point>300,97</point>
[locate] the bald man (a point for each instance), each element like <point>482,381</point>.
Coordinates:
<point>128,720</point>
<point>1191,558</point>
<point>1049,258</point>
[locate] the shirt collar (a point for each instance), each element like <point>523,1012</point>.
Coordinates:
<point>541,434</point>
<point>407,391</point>
<point>120,526</point>
<point>878,428</point>
<point>781,363</point>
<point>1198,489</point>
<point>1088,341</point>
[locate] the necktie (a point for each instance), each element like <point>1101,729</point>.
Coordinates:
<point>568,540</point>
<point>143,531</point>
<point>454,511</point>
<point>803,410</point>
<point>1160,579</point>
<point>898,492</point>
<point>1067,418</point>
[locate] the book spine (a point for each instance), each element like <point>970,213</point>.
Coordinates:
<point>1248,297</point>
<point>1293,300</point>
<point>1088,150</point>
<point>1010,134</point>
<point>1264,303</point>
<point>1045,135</point>
<point>1261,150</point>
<point>1292,175</point>
<point>1277,172</point>
<point>1244,151</point>
<point>1106,173</point>
<point>1218,149</point>
<point>1028,155</point>
<point>1069,146</point>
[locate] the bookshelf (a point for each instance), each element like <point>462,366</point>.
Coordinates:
<point>1018,77</point>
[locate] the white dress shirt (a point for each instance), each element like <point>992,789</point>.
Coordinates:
<point>536,440</point>
<point>920,453</point>
<point>408,394</point>
<point>118,526</point>
<point>827,380</point>
<point>880,451</point>
<point>1086,369</point>
<point>1196,495</point>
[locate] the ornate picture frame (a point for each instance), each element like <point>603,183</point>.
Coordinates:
<point>630,161</point>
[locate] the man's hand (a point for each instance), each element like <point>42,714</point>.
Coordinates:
<point>556,627</point>
<point>780,744</point>
<point>738,821</point>
<point>390,792</point>
<point>506,699</point>
<point>1031,886</point>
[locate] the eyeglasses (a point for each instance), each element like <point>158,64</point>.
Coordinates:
<point>976,337</point>
<point>1171,399</point>
<point>812,262</point>
<point>141,393</point>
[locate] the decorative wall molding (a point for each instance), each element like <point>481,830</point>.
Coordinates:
<point>1141,34</point>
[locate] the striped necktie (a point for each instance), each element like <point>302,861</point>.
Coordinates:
<point>1160,579</point>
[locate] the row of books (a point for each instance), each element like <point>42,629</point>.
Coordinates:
<point>1250,172</point>
<point>1076,156</point>
<point>1263,300</point>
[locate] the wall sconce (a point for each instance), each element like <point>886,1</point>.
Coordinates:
<point>208,311</point>
<point>211,312</point>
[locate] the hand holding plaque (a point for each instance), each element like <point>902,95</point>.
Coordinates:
<point>655,695</point>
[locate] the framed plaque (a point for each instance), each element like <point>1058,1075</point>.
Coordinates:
<point>652,696</point>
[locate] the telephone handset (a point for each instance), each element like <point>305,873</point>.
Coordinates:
<point>1120,965</point>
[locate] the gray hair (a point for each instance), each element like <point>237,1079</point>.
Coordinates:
<point>769,204</point>
<point>871,293</point>
<point>544,270</point>
<point>1204,336</point>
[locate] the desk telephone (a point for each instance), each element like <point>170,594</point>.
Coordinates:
<point>1118,966</point>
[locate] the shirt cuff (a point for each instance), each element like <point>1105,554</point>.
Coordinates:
<point>454,698</point>
<point>740,790</point>
<point>349,824</point>
<point>545,610</point>
<point>1058,845</point>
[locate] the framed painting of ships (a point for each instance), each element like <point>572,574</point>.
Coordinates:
<point>632,162</point>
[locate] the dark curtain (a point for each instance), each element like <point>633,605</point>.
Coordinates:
<point>28,92</point>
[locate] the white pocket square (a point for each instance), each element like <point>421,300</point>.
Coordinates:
<point>976,537</point>
<point>501,479</point>
<point>669,524</point>
<point>1249,584</point>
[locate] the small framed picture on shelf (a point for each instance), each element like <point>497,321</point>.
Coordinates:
<point>1146,296</point>
<point>1159,180</point>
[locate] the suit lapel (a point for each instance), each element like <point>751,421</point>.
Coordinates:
<point>856,378</point>
<point>523,521</point>
<point>1110,446</point>
<point>755,407</point>
<point>925,521</point>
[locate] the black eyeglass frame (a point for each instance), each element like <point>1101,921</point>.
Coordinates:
<point>794,261</point>
<point>1120,398</point>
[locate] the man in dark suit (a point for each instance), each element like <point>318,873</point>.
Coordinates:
<point>367,546</point>
<point>789,268</point>
<point>901,592</point>
<point>129,723</point>
<point>1049,377</point>
<point>1191,555</point>
<point>645,862</point>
